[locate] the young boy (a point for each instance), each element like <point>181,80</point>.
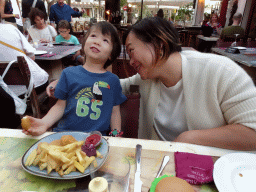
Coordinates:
<point>88,96</point>
<point>64,30</point>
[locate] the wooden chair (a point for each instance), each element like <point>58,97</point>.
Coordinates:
<point>250,43</point>
<point>221,43</point>
<point>130,110</point>
<point>18,78</point>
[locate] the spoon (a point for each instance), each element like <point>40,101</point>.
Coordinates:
<point>164,163</point>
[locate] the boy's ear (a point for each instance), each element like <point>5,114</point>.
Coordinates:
<point>68,30</point>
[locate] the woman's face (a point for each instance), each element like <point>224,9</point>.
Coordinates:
<point>214,18</point>
<point>142,56</point>
<point>39,21</point>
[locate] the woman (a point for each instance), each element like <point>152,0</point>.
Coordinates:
<point>214,24</point>
<point>7,12</point>
<point>188,96</point>
<point>40,31</point>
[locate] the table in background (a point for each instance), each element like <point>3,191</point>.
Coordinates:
<point>119,148</point>
<point>243,60</point>
<point>206,43</point>
<point>53,65</point>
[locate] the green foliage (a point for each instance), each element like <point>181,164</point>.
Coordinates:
<point>184,13</point>
<point>145,12</point>
<point>123,3</point>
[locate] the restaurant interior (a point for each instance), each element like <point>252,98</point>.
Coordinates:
<point>62,161</point>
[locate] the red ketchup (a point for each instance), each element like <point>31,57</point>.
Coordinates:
<point>93,139</point>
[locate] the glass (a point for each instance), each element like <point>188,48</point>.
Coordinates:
<point>117,174</point>
<point>234,44</point>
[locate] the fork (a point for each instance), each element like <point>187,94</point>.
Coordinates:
<point>164,163</point>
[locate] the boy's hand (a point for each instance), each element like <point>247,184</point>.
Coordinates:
<point>51,88</point>
<point>38,127</point>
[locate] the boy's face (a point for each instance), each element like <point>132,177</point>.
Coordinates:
<point>98,47</point>
<point>64,32</point>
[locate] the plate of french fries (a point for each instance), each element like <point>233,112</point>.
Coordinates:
<point>59,156</point>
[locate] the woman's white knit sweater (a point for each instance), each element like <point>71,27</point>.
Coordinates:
<point>217,92</point>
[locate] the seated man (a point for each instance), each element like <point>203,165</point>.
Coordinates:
<point>230,31</point>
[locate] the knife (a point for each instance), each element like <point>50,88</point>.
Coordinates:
<point>138,182</point>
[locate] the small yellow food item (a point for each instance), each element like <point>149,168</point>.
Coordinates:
<point>98,184</point>
<point>25,123</point>
<point>67,139</point>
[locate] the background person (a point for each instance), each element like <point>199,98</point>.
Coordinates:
<point>160,13</point>
<point>188,96</point>
<point>214,24</point>
<point>235,28</point>
<point>6,11</point>
<point>40,31</point>
<point>19,41</point>
<point>65,36</point>
<point>61,11</point>
<point>27,6</point>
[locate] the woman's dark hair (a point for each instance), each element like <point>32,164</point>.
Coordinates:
<point>36,12</point>
<point>64,24</point>
<point>160,13</point>
<point>107,29</point>
<point>158,32</point>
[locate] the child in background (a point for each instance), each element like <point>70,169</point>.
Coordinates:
<point>64,30</point>
<point>88,95</point>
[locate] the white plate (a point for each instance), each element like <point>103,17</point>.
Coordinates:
<point>239,48</point>
<point>235,172</point>
<point>40,52</point>
<point>79,136</point>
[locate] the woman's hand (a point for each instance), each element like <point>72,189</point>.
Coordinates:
<point>51,88</point>
<point>38,127</point>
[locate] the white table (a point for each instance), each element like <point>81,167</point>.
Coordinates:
<point>147,144</point>
<point>207,38</point>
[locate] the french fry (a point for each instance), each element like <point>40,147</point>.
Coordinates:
<point>39,157</point>
<point>83,154</point>
<point>98,154</point>
<point>59,155</point>
<point>31,158</point>
<point>61,173</point>
<point>79,166</point>
<point>52,162</point>
<point>39,149</point>
<point>69,169</point>
<point>42,166</point>
<point>71,154</point>
<point>79,156</point>
<point>88,162</point>
<point>49,168</point>
<point>94,163</point>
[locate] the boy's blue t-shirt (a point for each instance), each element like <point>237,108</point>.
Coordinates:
<point>90,98</point>
<point>73,39</point>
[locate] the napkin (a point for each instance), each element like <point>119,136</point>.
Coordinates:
<point>195,169</point>
<point>48,55</point>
